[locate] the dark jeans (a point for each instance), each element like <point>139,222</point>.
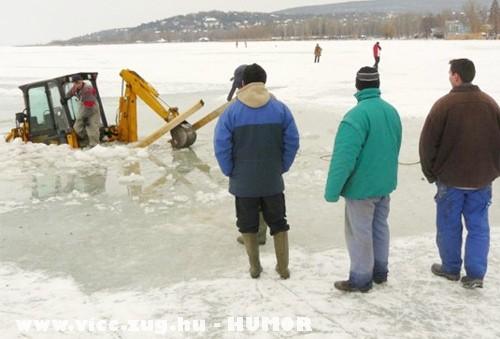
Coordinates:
<point>272,207</point>
<point>316,58</point>
<point>377,60</point>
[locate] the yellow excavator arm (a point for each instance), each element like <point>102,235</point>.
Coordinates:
<point>136,87</point>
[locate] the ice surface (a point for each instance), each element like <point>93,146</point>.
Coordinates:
<point>119,232</point>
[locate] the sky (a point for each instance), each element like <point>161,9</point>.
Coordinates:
<point>41,21</point>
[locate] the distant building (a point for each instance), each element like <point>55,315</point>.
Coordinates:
<point>455,27</point>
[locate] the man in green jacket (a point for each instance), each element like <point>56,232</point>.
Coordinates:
<point>363,170</point>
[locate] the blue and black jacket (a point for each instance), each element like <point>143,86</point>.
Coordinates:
<point>255,142</point>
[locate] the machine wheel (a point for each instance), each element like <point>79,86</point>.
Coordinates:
<point>183,135</point>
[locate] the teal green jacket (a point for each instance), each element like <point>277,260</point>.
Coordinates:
<point>365,156</point>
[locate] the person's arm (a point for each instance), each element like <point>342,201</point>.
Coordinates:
<point>223,143</point>
<point>429,143</point>
<point>291,141</point>
<point>70,93</point>
<point>348,144</point>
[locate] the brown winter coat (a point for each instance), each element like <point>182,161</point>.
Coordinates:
<point>460,141</point>
<point>317,51</point>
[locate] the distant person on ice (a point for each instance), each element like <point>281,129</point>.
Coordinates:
<point>317,53</point>
<point>88,119</point>
<point>460,152</point>
<point>376,54</point>
<point>363,170</point>
<point>255,142</point>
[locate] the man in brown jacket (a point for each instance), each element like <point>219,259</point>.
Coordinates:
<point>460,151</point>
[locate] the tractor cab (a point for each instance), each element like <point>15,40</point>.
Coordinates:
<point>48,117</point>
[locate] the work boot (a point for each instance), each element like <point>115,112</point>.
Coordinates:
<point>471,283</point>
<point>250,241</point>
<point>437,269</point>
<point>346,286</point>
<point>261,236</point>
<point>379,280</point>
<point>281,249</point>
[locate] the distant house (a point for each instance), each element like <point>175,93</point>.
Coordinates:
<point>455,27</point>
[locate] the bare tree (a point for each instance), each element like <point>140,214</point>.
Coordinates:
<point>472,10</point>
<point>494,18</point>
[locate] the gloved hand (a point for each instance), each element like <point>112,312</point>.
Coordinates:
<point>85,121</point>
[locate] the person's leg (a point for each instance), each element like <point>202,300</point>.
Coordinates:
<point>247,221</point>
<point>93,125</point>
<point>477,243</point>
<point>79,127</point>
<point>274,211</point>
<point>261,235</point>
<point>450,203</point>
<point>381,238</point>
<point>359,237</point>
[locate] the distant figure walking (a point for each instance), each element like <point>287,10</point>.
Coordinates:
<point>317,53</point>
<point>376,54</point>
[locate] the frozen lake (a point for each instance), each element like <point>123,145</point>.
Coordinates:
<point>117,232</point>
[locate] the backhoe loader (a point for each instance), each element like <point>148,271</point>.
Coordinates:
<point>49,117</point>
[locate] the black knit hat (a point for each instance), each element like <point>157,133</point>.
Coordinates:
<point>367,77</point>
<point>254,73</point>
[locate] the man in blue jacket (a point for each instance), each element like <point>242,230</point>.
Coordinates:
<point>237,80</point>
<point>255,142</point>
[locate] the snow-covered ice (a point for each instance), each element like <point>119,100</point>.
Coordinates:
<point>123,233</point>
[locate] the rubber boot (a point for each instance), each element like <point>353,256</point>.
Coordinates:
<point>261,236</point>
<point>281,249</point>
<point>252,247</point>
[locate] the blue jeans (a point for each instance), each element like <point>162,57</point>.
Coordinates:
<point>452,204</point>
<point>367,237</point>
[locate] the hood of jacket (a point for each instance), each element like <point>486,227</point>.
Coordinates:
<point>254,95</point>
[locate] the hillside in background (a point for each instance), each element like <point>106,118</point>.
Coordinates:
<point>350,20</point>
<point>383,6</point>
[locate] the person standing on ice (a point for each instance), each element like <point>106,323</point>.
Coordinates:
<point>255,142</point>
<point>237,80</point>
<point>88,119</point>
<point>363,170</point>
<point>460,152</point>
<point>376,54</point>
<point>317,53</point>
